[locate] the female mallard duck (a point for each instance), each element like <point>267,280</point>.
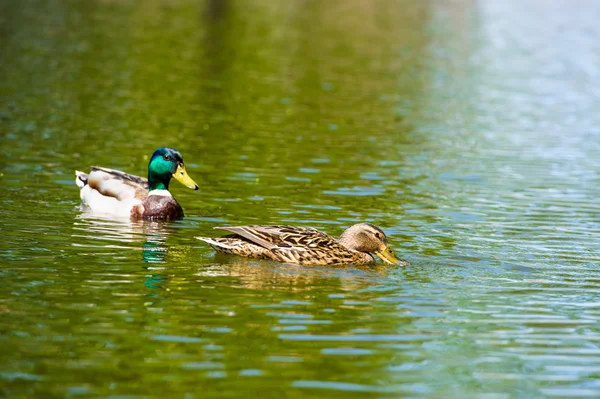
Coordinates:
<point>117,193</point>
<point>305,245</point>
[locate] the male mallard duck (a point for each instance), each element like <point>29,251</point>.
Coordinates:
<point>120,194</point>
<point>305,245</point>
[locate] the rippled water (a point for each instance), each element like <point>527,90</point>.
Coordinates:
<point>467,130</point>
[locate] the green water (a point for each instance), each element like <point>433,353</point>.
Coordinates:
<point>467,130</point>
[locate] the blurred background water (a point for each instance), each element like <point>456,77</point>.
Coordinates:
<point>468,130</point>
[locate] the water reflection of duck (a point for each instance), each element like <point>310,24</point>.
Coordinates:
<point>118,233</point>
<point>266,275</point>
<point>117,193</point>
<point>305,246</point>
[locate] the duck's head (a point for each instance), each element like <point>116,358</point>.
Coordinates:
<point>164,164</point>
<point>366,237</point>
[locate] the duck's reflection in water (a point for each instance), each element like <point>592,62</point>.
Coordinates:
<point>264,274</point>
<point>154,252</point>
<point>125,234</point>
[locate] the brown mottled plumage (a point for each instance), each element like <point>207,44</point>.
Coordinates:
<point>305,245</point>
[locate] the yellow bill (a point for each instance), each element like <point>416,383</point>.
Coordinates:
<point>387,255</point>
<point>182,177</point>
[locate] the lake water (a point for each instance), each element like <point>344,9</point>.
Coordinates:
<point>468,130</point>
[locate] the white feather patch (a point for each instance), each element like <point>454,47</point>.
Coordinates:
<point>99,203</point>
<point>162,193</point>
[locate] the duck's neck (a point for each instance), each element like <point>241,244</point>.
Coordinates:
<point>345,242</point>
<point>157,183</point>
<point>347,239</point>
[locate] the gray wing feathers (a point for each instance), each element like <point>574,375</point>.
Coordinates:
<point>125,176</point>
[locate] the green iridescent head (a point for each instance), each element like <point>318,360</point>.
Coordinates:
<point>164,164</point>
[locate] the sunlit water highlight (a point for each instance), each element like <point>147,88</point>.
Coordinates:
<point>468,131</point>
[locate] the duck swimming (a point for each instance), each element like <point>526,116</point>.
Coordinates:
<point>305,245</point>
<point>117,193</point>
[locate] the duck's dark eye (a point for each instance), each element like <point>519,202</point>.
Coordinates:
<point>378,236</point>
<point>167,157</point>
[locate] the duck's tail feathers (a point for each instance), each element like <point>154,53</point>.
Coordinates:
<point>215,243</point>
<point>81,179</point>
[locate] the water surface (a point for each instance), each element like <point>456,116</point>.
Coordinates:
<point>467,130</point>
